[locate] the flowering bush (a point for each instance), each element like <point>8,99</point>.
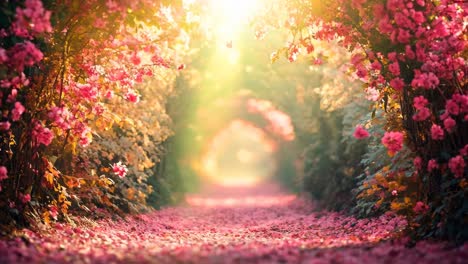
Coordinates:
<point>411,57</point>
<point>70,72</point>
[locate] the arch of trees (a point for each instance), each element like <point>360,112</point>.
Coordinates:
<point>92,92</point>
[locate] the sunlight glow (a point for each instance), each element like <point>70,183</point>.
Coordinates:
<point>239,155</point>
<point>227,18</point>
<point>233,12</point>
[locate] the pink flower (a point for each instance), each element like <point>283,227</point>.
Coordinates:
<point>60,116</point>
<point>159,61</point>
<point>403,21</point>
<point>394,68</point>
<point>135,59</point>
<point>437,133</point>
<point>444,116</point>
<point>449,124</point>
<point>425,80</point>
<point>53,211</point>
<point>385,25</point>
<point>31,20</point>
<point>452,107</point>
<point>42,135</point>
<point>418,17</point>
<point>420,208</point>
<point>417,162</point>
<point>464,150</point>
<point>20,81</point>
<point>409,52</point>
<point>403,36</point>
<point>360,132</point>
<point>17,111</point>
<point>12,96</point>
<point>440,27</point>
<point>420,102</point>
<point>457,166</point>
<point>24,198</point>
<point>87,90</point>
<point>24,55</point>
<point>357,58</point>
<point>5,83</point>
<point>462,100</point>
<point>362,72</point>
<point>432,165</point>
<point>99,109</point>
<point>392,56</point>
<point>376,66</point>
<point>85,141</point>
<point>431,81</point>
<point>393,141</point>
<point>317,61</point>
<point>422,114</point>
<point>292,53</point>
<point>372,94</point>
<point>3,56</point>
<point>83,131</point>
<point>119,169</point>
<point>132,97</point>
<point>4,126</point>
<point>397,83</point>
<point>109,94</point>
<point>394,192</point>
<point>3,173</point>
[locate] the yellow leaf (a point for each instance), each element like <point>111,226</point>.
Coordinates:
<point>46,217</point>
<point>395,206</point>
<point>407,200</point>
<point>274,56</point>
<point>131,193</point>
<point>393,185</point>
<point>62,198</point>
<point>49,177</point>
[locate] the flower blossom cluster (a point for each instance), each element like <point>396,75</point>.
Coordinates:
<point>420,208</point>
<point>423,113</point>
<point>457,166</point>
<point>31,20</point>
<point>360,132</point>
<point>42,135</point>
<point>393,141</point>
<point>119,169</point>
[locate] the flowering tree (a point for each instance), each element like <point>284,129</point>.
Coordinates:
<point>70,72</point>
<point>410,55</point>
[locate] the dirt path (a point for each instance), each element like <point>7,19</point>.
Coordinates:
<point>244,228</point>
